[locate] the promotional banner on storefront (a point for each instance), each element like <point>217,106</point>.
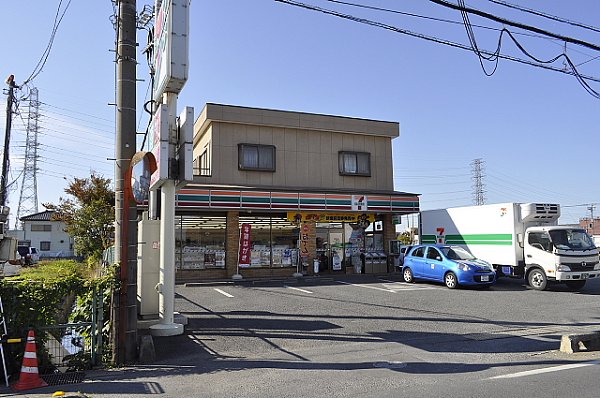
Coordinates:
<point>329,217</point>
<point>245,245</point>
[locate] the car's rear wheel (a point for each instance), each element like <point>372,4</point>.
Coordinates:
<point>450,280</point>
<point>575,285</point>
<point>408,275</point>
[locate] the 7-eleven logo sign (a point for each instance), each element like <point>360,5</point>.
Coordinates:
<point>440,238</point>
<point>359,203</point>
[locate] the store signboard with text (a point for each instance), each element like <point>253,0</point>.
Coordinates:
<point>325,217</point>
<point>171,46</point>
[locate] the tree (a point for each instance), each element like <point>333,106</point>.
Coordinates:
<point>89,215</point>
<point>405,237</point>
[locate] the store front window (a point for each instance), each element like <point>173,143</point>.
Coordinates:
<point>200,242</point>
<point>274,240</point>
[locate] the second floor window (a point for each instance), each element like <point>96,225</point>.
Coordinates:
<point>202,163</point>
<point>355,163</point>
<point>41,227</point>
<point>256,157</point>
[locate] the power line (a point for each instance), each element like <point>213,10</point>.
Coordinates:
<point>80,124</point>
<point>545,15</point>
<point>80,113</point>
<point>516,24</point>
<point>78,139</point>
<point>44,58</point>
<point>582,79</point>
<point>449,21</point>
<point>471,35</point>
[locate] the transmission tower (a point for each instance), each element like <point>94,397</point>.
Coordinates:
<point>28,200</point>
<point>477,168</point>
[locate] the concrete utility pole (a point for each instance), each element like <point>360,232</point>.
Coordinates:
<point>5,159</point>
<point>125,212</point>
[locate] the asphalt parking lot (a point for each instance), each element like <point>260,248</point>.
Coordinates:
<point>367,336</point>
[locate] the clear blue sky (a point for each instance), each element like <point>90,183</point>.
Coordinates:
<point>536,130</point>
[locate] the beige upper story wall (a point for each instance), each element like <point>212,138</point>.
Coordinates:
<point>306,148</point>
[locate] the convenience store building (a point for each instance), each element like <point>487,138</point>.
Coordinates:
<point>275,190</point>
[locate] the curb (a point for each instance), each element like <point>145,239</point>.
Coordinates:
<point>571,343</point>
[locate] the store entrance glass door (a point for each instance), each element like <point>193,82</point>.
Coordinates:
<point>330,246</point>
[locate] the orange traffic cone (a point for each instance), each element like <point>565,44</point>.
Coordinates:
<point>29,377</point>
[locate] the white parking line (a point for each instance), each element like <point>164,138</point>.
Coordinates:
<point>402,286</point>
<point>298,289</point>
<point>368,287</point>
<point>545,370</point>
<point>223,293</point>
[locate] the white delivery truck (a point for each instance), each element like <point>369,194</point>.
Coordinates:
<point>520,240</point>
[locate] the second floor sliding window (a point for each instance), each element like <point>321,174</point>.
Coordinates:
<point>355,163</point>
<point>256,157</point>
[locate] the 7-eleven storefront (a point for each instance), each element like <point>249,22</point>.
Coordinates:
<point>283,232</point>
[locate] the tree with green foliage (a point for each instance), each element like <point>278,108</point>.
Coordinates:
<point>405,237</point>
<point>89,214</point>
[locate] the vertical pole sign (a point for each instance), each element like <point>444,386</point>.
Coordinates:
<point>171,46</point>
<point>172,141</point>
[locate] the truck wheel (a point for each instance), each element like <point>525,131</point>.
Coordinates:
<point>537,279</point>
<point>408,275</point>
<point>450,280</point>
<point>575,285</point>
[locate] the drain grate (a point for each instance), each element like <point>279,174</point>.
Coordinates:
<point>55,379</point>
<point>390,365</point>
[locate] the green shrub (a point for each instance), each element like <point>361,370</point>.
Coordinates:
<point>52,293</point>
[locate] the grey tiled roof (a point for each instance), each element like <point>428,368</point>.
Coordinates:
<point>42,216</point>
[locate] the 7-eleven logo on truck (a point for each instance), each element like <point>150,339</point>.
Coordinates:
<point>440,238</point>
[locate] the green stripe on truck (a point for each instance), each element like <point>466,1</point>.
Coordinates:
<point>472,239</point>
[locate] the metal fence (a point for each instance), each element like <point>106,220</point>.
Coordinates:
<point>73,347</point>
<point>69,347</point>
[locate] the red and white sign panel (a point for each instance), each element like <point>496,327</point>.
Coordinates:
<point>160,146</point>
<point>245,246</point>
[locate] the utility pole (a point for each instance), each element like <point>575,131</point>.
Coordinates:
<point>125,313</point>
<point>5,159</point>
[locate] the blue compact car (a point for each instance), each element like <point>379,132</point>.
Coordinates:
<point>452,265</point>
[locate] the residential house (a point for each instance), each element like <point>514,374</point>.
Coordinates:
<point>48,235</point>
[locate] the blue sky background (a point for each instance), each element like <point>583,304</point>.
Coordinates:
<point>536,130</point>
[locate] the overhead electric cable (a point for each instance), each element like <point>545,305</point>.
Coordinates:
<point>540,64</point>
<point>449,21</point>
<point>516,24</point>
<point>545,15</point>
<point>72,111</point>
<point>44,58</point>
<point>471,35</point>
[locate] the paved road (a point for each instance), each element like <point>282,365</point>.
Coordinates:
<point>362,336</point>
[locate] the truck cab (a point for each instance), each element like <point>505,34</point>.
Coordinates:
<point>561,254</point>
